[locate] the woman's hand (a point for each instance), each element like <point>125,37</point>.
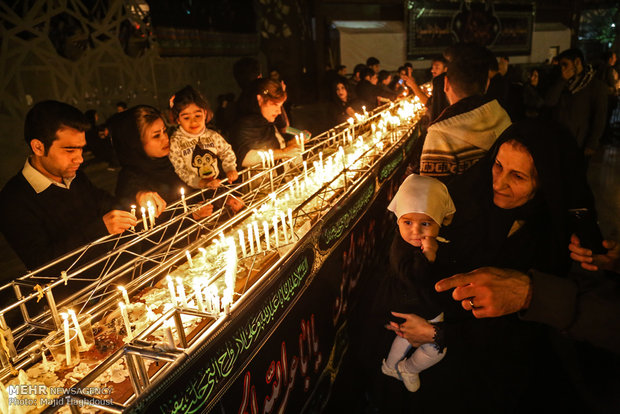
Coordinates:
<point>429,248</point>
<point>205,211</point>
<point>593,262</point>
<point>416,330</point>
<point>143,198</point>
<point>234,203</point>
<point>292,150</point>
<point>232,176</point>
<point>211,183</point>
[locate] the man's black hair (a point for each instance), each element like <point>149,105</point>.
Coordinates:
<point>371,61</point>
<point>367,72</point>
<point>468,68</point>
<point>572,54</point>
<point>45,118</point>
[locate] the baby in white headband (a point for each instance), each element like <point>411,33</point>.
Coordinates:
<point>421,205</point>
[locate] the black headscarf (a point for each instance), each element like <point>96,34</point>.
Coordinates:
<point>480,229</point>
<point>139,171</point>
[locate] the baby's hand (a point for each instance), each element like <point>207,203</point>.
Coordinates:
<point>211,183</point>
<point>232,176</point>
<point>429,248</point>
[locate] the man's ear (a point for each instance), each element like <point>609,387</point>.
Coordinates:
<point>37,147</point>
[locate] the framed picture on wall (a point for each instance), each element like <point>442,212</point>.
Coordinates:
<point>504,28</point>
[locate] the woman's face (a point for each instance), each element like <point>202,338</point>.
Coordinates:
<point>414,227</point>
<point>192,119</point>
<point>514,177</point>
<point>155,140</point>
<point>341,92</point>
<point>269,109</point>
<point>534,78</point>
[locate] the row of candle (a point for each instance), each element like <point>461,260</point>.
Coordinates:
<point>83,346</point>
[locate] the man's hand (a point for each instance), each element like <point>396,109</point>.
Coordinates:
<point>593,262</point>
<point>117,221</point>
<point>493,291</point>
<point>143,198</point>
<point>205,211</point>
<point>415,329</point>
<point>211,183</point>
<point>232,176</point>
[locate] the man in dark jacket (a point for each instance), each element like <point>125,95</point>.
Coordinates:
<point>579,101</point>
<point>50,207</point>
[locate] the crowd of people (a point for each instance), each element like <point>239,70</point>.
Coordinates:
<point>486,259</point>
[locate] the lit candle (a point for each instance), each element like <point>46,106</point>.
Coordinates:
<point>183,200</point>
<point>284,227</point>
<point>169,337</point>
<point>230,274</point>
<point>242,242</point>
<point>77,328</point>
<point>67,338</point>
<point>124,294</point>
<point>250,238</point>
<point>45,363</point>
<point>173,295</point>
<point>257,237</point>
<point>303,142</point>
<point>289,213</point>
<point>203,252</point>
<point>272,196</point>
<point>266,231</point>
<point>181,291</point>
<point>216,304</point>
<point>146,226</point>
<point>306,170</point>
<point>133,213</point>
<point>151,211</point>
<point>271,159</point>
<point>198,293</point>
<point>297,188</point>
<point>262,158</point>
<point>126,319</point>
<point>275,231</point>
<point>189,259</point>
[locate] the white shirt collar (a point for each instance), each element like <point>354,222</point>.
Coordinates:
<point>40,182</point>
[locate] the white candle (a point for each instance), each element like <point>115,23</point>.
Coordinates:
<point>275,231</point>
<point>208,301</point>
<point>272,196</point>
<point>189,259</point>
<point>169,337</point>
<point>230,274</point>
<point>124,294</point>
<point>181,291</point>
<point>203,252</point>
<point>283,219</point>
<point>173,295</point>
<point>297,188</point>
<point>133,213</point>
<point>216,304</point>
<point>289,213</point>
<point>146,226</point>
<point>67,338</point>
<point>198,293</point>
<point>250,238</point>
<point>126,319</point>
<point>303,142</point>
<point>242,242</point>
<point>45,363</point>
<point>77,328</point>
<point>262,158</point>
<point>271,159</point>
<point>257,237</point>
<point>151,211</point>
<point>183,200</point>
<point>305,170</point>
<point>266,231</point>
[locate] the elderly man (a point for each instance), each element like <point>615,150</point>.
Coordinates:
<point>50,208</point>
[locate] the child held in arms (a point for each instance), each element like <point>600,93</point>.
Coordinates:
<point>421,205</point>
<point>197,152</point>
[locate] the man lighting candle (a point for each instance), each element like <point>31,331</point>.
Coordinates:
<point>50,207</point>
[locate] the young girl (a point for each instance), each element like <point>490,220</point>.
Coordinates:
<point>421,205</point>
<point>194,149</point>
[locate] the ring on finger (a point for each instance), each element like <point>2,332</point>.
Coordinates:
<point>471,302</point>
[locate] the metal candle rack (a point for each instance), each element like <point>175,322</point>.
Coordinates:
<point>86,279</point>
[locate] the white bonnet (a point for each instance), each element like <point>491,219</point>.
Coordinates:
<point>422,194</point>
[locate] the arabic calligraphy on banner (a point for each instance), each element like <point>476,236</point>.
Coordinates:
<point>205,381</point>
